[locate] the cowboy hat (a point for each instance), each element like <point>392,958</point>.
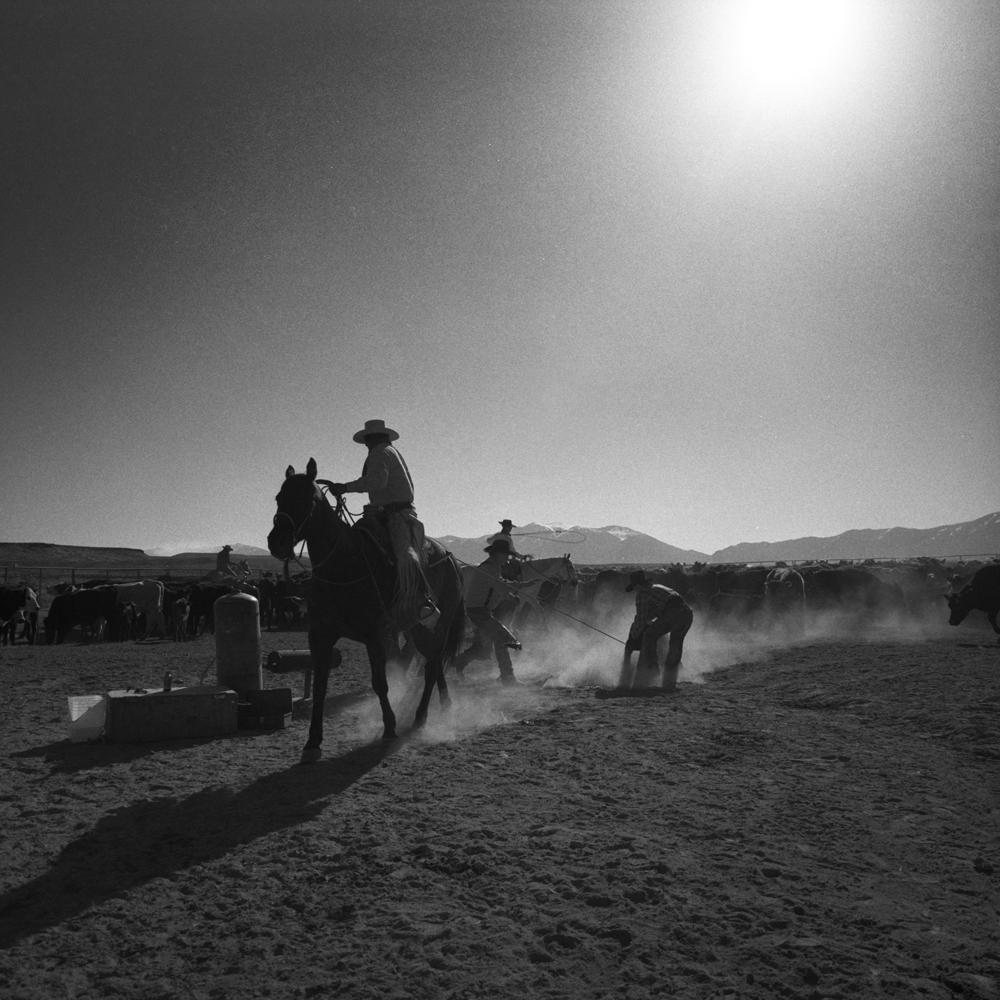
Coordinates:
<point>502,543</point>
<point>373,427</point>
<point>635,578</point>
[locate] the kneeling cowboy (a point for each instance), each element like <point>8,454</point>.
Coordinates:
<point>485,590</point>
<point>659,611</point>
<point>386,480</point>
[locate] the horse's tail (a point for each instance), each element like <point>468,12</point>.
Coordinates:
<point>456,634</point>
<point>456,626</point>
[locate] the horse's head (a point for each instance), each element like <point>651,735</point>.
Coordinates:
<point>297,499</point>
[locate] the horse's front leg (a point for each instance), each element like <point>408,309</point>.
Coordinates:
<point>325,657</point>
<point>380,685</point>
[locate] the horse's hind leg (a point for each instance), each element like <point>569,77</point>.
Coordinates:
<point>433,676</point>
<point>380,685</point>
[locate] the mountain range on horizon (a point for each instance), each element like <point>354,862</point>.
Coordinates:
<point>621,545</point>
<point>610,545</point>
<point>618,545</point>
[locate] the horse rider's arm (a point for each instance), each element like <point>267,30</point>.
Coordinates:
<point>374,479</point>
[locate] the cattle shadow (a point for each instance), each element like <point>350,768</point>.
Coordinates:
<point>158,837</point>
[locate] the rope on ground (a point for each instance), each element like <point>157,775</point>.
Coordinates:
<point>588,625</point>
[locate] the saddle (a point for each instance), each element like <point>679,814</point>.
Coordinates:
<point>433,553</point>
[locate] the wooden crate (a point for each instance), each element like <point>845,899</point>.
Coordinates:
<point>271,709</point>
<point>185,713</point>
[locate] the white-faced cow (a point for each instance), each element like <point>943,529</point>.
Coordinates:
<point>181,613</point>
<point>982,594</point>
<point>147,598</point>
<point>18,609</point>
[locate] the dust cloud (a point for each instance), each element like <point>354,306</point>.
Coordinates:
<point>584,650</point>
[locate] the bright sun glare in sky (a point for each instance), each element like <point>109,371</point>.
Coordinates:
<point>788,52</point>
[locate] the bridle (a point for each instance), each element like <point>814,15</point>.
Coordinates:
<point>299,535</point>
<point>298,530</point>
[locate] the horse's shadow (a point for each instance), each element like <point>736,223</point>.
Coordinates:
<point>154,838</point>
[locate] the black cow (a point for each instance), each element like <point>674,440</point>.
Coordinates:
<point>90,608</point>
<point>201,599</point>
<point>852,591</point>
<point>282,602</point>
<point>982,594</point>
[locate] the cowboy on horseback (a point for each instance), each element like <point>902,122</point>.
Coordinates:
<point>386,480</point>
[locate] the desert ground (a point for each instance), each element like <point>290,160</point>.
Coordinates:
<point>814,819</point>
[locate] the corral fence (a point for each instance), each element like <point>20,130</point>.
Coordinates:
<point>982,557</point>
<point>41,578</point>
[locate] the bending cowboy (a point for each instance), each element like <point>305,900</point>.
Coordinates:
<point>386,480</point>
<point>659,611</point>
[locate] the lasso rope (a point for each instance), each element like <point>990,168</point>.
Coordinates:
<point>345,514</point>
<point>547,535</point>
<point>565,614</point>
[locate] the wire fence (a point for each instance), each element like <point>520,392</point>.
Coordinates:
<point>42,577</point>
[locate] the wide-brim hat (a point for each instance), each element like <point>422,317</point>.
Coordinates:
<point>502,543</point>
<point>635,578</point>
<point>227,548</point>
<point>373,427</point>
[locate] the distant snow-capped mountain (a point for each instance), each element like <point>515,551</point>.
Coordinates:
<point>611,545</point>
<point>184,548</point>
<point>616,544</point>
<point>980,537</point>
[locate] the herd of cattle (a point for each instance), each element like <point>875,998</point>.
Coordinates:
<point>117,612</point>
<point>790,599</point>
<point>725,597</point>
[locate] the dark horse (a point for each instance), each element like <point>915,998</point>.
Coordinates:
<point>351,595</point>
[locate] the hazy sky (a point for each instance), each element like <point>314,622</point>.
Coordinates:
<point>715,270</point>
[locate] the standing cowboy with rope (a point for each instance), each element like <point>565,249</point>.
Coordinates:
<point>485,590</point>
<point>386,480</point>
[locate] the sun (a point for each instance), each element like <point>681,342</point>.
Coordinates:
<point>788,52</point>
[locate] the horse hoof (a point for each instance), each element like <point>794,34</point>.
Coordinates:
<point>310,755</point>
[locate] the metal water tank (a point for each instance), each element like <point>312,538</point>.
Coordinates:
<point>237,643</point>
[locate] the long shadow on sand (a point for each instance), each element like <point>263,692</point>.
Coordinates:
<point>65,757</point>
<point>152,839</point>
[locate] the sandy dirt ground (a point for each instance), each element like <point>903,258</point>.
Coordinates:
<point>820,819</point>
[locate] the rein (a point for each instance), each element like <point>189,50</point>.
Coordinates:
<point>299,534</point>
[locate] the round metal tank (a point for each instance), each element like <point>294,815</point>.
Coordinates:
<point>237,643</point>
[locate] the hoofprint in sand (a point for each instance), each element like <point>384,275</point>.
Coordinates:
<point>820,820</point>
